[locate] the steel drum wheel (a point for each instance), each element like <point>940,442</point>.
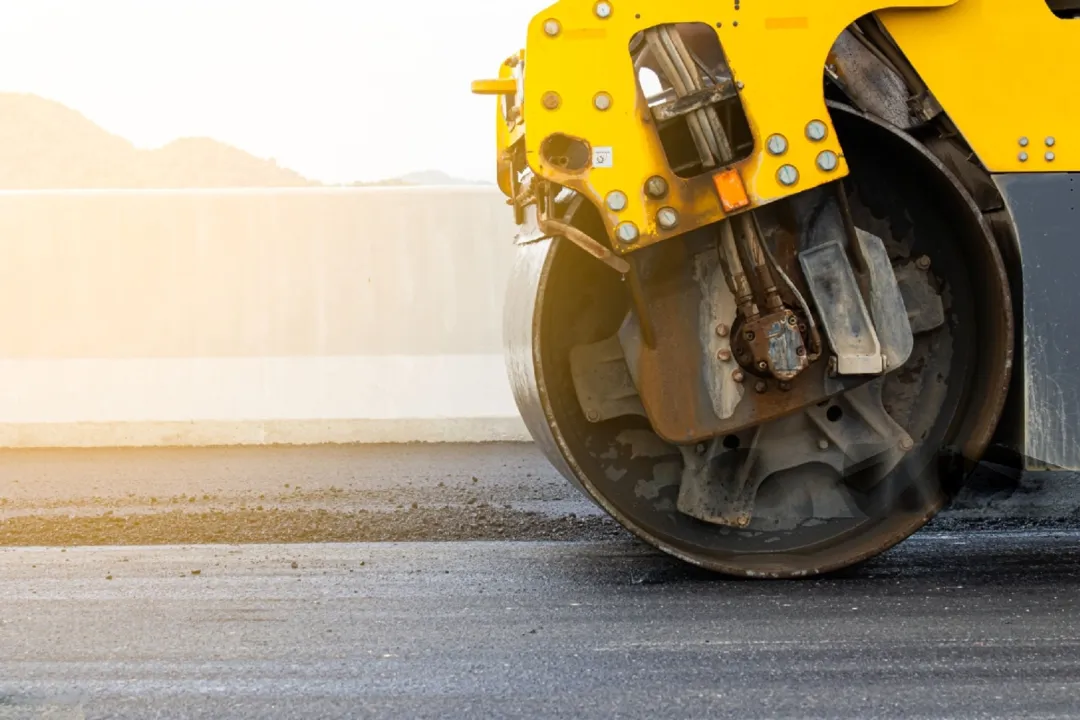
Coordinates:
<point>948,397</point>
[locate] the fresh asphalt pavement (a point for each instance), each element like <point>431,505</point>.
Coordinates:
<point>948,624</point>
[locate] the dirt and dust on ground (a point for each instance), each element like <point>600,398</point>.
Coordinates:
<point>290,495</point>
<point>498,491</point>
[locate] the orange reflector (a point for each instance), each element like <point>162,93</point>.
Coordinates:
<point>731,190</point>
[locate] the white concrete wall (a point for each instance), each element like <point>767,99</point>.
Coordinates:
<point>250,317</point>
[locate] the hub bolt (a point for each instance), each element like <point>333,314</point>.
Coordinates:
<point>656,187</point>
<point>738,376</point>
<point>722,330</point>
<point>627,232</point>
<point>667,218</point>
<point>616,201</point>
<point>777,144</point>
<point>827,161</point>
<point>923,263</point>
<point>816,130</point>
<point>787,175</point>
<point>761,386</point>
<point>724,354</point>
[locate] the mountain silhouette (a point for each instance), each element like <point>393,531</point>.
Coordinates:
<point>46,145</point>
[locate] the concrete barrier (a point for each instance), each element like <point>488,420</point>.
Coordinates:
<point>251,317</point>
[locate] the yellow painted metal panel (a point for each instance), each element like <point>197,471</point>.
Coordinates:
<point>776,49</point>
<point>1003,70</point>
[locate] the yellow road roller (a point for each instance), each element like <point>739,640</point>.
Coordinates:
<point>788,269</point>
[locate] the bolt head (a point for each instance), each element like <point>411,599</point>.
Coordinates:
<point>1050,141</point>
<point>1050,157</point>
<point>722,330</point>
<point>907,443</point>
<point>656,187</point>
<point>763,365</point>
<point>1022,157</point>
<point>603,9</point>
<point>760,386</point>
<point>593,416</point>
<point>816,131</point>
<point>750,335</point>
<point>738,376</point>
<point>723,354</point>
<point>787,175</point>
<point>827,161</point>
<point>616,201</point>
<point>551,100</point>
<point>667,218</point>
<point>923,263</point>
<point>627,233</point>
<point>823,444</point>
<point>738,83</point>
<point>776,144</point>
<point>602,101</point>
<point>552,27</point>
<point>1023,142</point>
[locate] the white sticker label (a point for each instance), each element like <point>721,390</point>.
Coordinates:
<point>602,158</point>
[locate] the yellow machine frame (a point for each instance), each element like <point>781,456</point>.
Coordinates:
<point>995,66</point>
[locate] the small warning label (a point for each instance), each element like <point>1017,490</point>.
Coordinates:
<point>602,157</point>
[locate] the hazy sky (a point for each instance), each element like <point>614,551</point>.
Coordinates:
<point>339,90</point>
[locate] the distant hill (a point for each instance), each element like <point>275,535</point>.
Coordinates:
<point>46,145</point>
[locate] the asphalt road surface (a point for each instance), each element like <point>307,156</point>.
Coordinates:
<point>243,583</point>
<point>948,625</point>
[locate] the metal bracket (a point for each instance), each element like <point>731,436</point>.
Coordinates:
<point>843,313</point>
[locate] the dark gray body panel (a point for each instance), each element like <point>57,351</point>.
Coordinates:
<point>1045,208</point>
